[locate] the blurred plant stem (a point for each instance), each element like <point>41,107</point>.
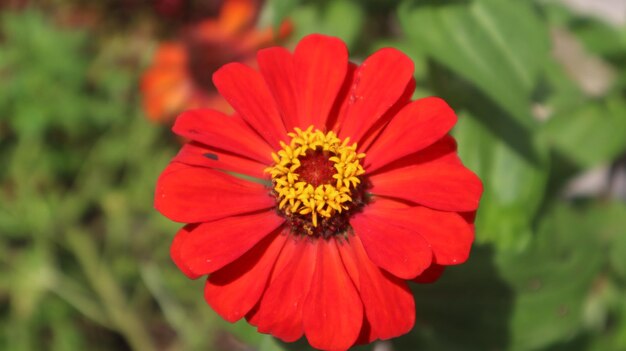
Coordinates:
<point>122,316</point>
<point>76,295</point>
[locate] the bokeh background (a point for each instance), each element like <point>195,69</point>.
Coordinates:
<point>89,89</point>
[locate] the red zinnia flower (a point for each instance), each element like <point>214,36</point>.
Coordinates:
<point>327,190</point>
<point>180,75</point>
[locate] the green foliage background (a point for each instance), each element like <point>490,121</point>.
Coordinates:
<point>84,258</point>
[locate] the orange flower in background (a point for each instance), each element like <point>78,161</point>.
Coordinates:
<point>180,75</point>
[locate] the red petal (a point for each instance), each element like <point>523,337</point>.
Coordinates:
<point>276,65</point>
<point>430,275</point>
<point>217,130</point>
<point>415,127</point>
<point>207,247</point>
<point>179,238</point>
<point>440,184</point>
<point>443,150</point>
<point>340,108</point>
<point>321,63</point>
<point>195,154</point>
<point>369,137</point>
<point>449,235</point>
<point>388,302</point>
<point>470,217</point>
<point>365,336</point>
<point>395,249</point>
<point>246,91</point>
<point>380,81</point>
<point>333,311</point>
<point>290,249</point>
<point>191,194</point>
<point>280,309</point>
<point>233,290</point>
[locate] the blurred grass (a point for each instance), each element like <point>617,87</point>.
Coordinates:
<point>76,215</point>
<point>84,259</point>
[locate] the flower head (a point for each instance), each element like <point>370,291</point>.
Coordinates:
<point>312,206</point>
<point>180,75</point>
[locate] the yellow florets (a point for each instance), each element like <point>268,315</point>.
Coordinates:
<point>295,194</point>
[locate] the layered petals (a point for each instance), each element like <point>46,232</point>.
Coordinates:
<point>395,249</point>
<point>276,65</point>
<point>376,130</point>
<point>338,112</point>
<point>284,258</point>
<point>175,253</point>
<point>441,183</point>
<point>387,300</point>
<point>191,194</point>
<point>233,290</point>
<point>447,233</point>
<point>207,247</point>
<point>418,125</point>
<point>430,275</point>
<point>280,310</point>
<point>321,63</point>
<point>215,129</point>
<point>333,312</point>
<point>379,83</point>
<point>196,154</point>
<point>246,91</point>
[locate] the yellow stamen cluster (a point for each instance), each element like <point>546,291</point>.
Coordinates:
<point>297,196</point>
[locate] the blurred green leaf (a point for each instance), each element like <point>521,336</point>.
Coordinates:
<point>513,185</point>
<point>601,38</point>
<point>590,134</point>
<point>420,61</point>
<point>43,65</point>
<point>558,92</point>
<point>177,316</point>
<point>342,18</point>
<point>61,324</point>
<point>553,279</point>
<point>303,345</point>
<point>269,343</point>
<point>507,300</point>
<point>500,46</point>
<point>279,10</point>
<point>80,298</point>
<point>607,220</point>
<point>467,309</point>
<point>32,275</point>
<point>598,37</point>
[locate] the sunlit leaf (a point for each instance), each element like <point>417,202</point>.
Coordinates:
<point>499,46</point>
<point>590,134</point>
<point>553,279</point>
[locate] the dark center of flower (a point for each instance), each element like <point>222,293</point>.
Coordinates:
<point>316,168</point>
<point>317,182</point>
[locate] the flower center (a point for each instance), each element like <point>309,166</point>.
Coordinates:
<point>317,181</point>
<point>316,168</point>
